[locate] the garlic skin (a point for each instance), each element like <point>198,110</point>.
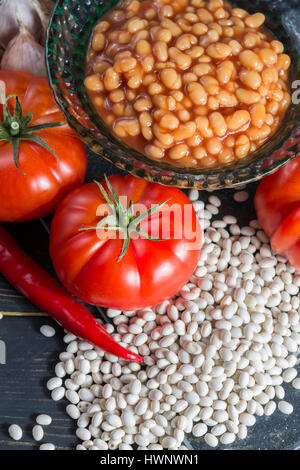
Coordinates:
<point>24,53</point>
<point>13,13</point>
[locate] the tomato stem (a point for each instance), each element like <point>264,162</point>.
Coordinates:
<point>15,127</point>
<point>122,219</point>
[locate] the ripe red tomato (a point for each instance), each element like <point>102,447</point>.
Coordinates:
<point>86,260</point>
<point>277,203</point>
<point>42,181</point>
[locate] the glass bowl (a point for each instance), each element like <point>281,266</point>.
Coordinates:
<point>68,36</point>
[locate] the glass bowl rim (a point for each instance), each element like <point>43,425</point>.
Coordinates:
<point>229,171</point>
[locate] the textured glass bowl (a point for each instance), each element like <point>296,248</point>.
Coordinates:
<point>68,38</point>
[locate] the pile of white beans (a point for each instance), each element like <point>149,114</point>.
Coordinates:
<point>216,356</point>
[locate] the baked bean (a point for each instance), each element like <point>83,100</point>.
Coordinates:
<point>237,120</point>
<point>199,29</point>
<point>199,153</point>
<point>184,115</point>
<point>273,107</point>
<point>116,96</point>
<point>136,24</point>
<point>239,12</point>
<point>242,146</point>
<point>167,11</point>
<point>164,35</point>
<point>102,27</point>
<point>184,131</point>
<point>230,141</point>
<point>268,56</point>
<point>277,94</point>
<point>251,40</point>
<point>169,121</point>
<point>214,146</point>
<point>161,51</point>
<point>155,88</point>
<point>255,21</point>
<point>235,47</point>
<point>174,29</point>
<point>285,102</point>
<point>250,60</point>
<point>209,161</point>
<point>143,47</point>
<point>283,62</point>
<point>213,103</point>
<point>277,46</point>
<point>141,35</point>
<point>201,69</point>
<point>247,96</point>
<point>183,61</point>
<point>254,133</point>
<point>127,127</point>
<point>227,99</point>
<point>195,52</point>
<point>164,138</point>
<point>145,119</point>
<point>194,141</point>
<point>147,64</point>
<point>216,27</point>
<point>269,119</point>
<point>154,151</point>
<point>98,42</point>
<point>178,151</point>
<point>150,14</point>
<point>94,83</point>
<point>210,84</point>
<point>171,79</point>
<point>250,78</point>
<point>189,77</point>
<point>270,75</point>
<point>258,114</point>
<point>185,41</point>
<point>142,104</point>
<point>218,124</point>
<point>134,81</point>
<point>124,37</point>
<point>111,79</point>
<point>202,124</point>
<point>226,155</point>
<point>147,132</point>
<point>193,81</point>
<point>219,51</point>
<point>125,64</point>
<point>224,71</point>
<point>205,16</point>
<point>197,93</point>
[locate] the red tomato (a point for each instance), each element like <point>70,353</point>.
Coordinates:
<point>36,190</point>
<point>86,261</point>
<point>277,203</point>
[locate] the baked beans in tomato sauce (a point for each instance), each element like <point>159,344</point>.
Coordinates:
<point>192,82</point>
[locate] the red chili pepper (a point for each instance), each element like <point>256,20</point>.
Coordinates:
<point>42,290</point>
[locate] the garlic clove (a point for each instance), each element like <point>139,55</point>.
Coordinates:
<point>24,53</point>
<point>16,12</point>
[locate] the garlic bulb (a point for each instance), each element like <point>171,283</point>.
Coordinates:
<point>24,53</point>
<point>13,13</point>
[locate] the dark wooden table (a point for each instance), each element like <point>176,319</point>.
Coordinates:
<point>31,357</point>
